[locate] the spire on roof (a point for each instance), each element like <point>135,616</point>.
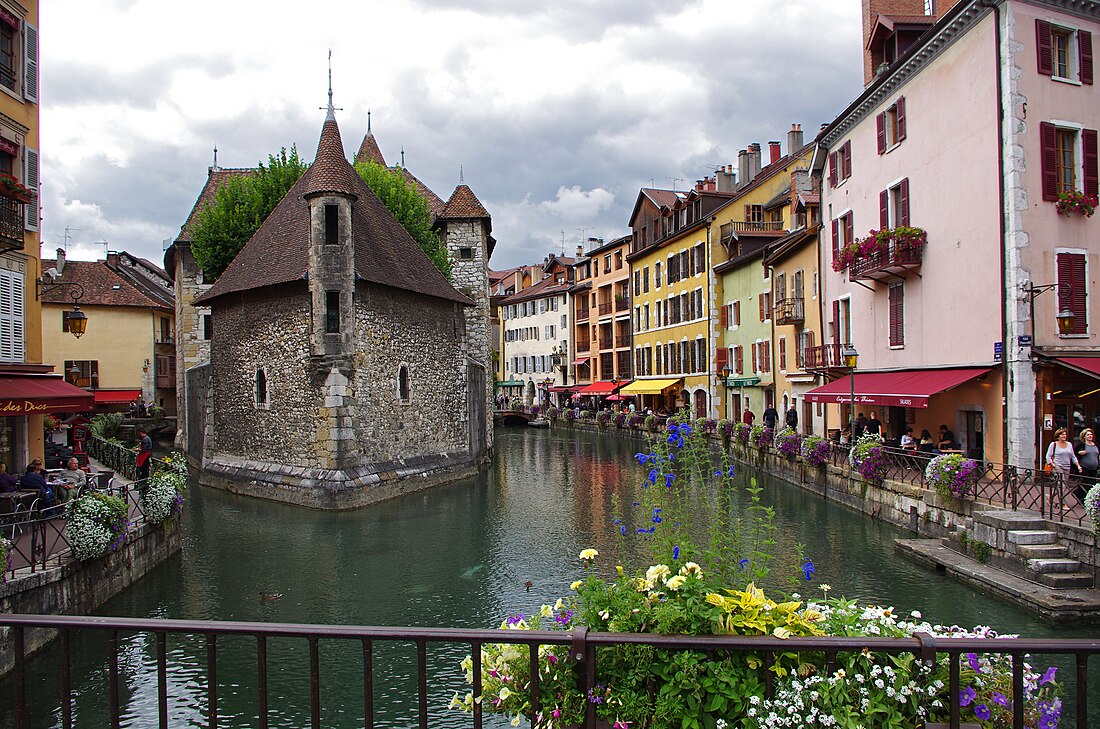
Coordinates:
<point>368,121</point>
<point>215,167</point>
<point>331,111</point>
<point>330,171</point>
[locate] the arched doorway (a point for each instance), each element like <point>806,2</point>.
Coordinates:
<point>700,403</point>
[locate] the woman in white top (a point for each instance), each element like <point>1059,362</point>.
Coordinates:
<point>1060,457</point>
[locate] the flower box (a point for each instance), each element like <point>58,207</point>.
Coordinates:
<point>1075,201</point>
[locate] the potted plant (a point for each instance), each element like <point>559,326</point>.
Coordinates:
<point>787,442</point>
<point>163,498</point>
<point>868,458</point>
<point>1075,201</point>
<point>14,189</point>
<point>815,450</point>
<point>761,436</point>
<point>952,475</point>
<point>5,559</point>
<point>95,525</point>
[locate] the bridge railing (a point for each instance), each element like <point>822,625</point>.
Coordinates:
<point>583,645</point>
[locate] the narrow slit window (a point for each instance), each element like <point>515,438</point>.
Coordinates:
<point>332,225</point>
<point>261,388</point>
<point>332,312</point>
<point>403,383</point>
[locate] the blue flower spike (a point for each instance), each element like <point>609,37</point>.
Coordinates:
<point>808,569</point>
<point>731,472</point>
<point>652,478</point>
<point>669,478</point>
<point>675,553</point>
<point>642,458</point>
<point>744,563</point>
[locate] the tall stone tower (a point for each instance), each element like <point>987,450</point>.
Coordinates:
<point>466,229</point>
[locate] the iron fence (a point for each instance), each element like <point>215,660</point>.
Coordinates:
<point>583,652</point>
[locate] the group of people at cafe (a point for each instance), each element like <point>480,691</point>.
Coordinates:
<point>53,489</point>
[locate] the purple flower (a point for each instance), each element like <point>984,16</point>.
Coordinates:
<point>967,695</point>
<point>1001,699</point>
<point>669,478</point>
<point>1048,677</point>
<point>982,712</point>
<point>972,659</point>
<point>563,617</point>
<point>515,619</point>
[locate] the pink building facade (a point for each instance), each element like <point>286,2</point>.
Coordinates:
<point>939,305</point>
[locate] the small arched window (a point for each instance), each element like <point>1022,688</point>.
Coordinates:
<point>403,383</point>
<point>261,388</point>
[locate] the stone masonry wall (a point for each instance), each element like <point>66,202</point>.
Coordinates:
<point>269,330</point>
<point>191,348</point>
<point>427,335</point>
<point>471,278</point>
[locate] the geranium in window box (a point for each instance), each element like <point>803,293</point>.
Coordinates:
<point>14,189</point>
<point>1075,201</point>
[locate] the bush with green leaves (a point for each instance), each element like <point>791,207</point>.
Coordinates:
<point>95,524</point>
<point>105,425</point>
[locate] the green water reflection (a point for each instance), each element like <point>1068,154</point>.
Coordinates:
<point>458,555</point>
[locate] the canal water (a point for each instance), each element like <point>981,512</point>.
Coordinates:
<point>459,555</point>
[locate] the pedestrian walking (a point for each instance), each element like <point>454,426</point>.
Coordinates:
<point>144,456</point>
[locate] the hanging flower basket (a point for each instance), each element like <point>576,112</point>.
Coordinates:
<point>1075,201</point>
<point>952,475</point>
<point>14,189</point>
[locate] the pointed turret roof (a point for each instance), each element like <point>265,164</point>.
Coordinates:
<point>330,171</point>
<point>464,204</point>
<point>385,253</point>
<point>369,151</point>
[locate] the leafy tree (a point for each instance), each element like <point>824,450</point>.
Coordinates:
<point>398,193</point>
<point>241,205</point>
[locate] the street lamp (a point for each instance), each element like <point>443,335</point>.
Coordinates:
<point>851,356</point>
<point>1065,317</point>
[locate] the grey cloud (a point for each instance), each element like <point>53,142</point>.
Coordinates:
<point>140,87</point>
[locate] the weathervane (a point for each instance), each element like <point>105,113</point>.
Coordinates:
<point>333,109</point>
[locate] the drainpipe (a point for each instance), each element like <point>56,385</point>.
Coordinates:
<point>994,5</point>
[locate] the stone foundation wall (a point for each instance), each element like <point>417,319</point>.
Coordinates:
<point>78,588</point>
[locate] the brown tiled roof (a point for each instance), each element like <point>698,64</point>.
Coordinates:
<point>464,204</point>
<point>435,202</point>
<point>215,180</point>
<point>330,171</point>
<point>102,287</point>
<point>369,151</point>
<point>661,198</point>
<point>545,287</point>
<point>385,253</point>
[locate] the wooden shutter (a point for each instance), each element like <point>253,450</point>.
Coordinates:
<point>722,358</point>
<point>766,350</point>
<point>760,302</point>
<point>849,233</point>
<point>901,118</point>
<point>848,159</point>
<point>836,321</point>
<point>737,313</point>
<point>30,179</point>
<point>897,315</point>
<point>11,316</point>
<point>30,63</point>
<point>884,209</point>
<point>836,239</point>
<point>739,359</point>
<point>1044,48</point>
<point>756,357</point>
<point>1084,55</point>
<point>782,353</point>
<point>832,172</point>
<point>1048,155</point>
<point>723,317</point>
<point>903,203</point>
<point>1073,289</point>
<point>1088,147</point>
<point>880,129</point>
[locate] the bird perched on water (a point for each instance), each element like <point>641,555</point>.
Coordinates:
<point>528,585</point>
<point>270,595</point>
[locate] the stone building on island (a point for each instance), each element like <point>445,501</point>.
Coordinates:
<point>343,367</point>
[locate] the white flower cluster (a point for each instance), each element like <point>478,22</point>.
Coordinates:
<point>163,497</point>
<point>87,527</point>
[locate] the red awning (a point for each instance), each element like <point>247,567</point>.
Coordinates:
<point>616,397</point>
<point>600,388</point>
<point>560,388</point>
<point>580,361</point>
<point>1087,365</point>
<point>116,396</point>
<point>30,395</point>
<point>910,389</point>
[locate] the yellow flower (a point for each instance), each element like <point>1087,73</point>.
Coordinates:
<point>589,553</point>
<point>657,572</point>
<point>781,633</point>
<point>576,585</point>
<point>676,582</point>
<point>504,693</point>
<point>559,604</point>
<point>619,569</point>
<point>546,611</point>
<point>515,721</point>
<point>691,568</point>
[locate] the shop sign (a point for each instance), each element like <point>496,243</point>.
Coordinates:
<point>32,407</point>
<point>1024,340</point>
<point>998,351</point>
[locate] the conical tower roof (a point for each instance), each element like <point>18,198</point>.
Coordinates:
<point>464,204</point>
<point>330,172</point>
<point>369,151</point>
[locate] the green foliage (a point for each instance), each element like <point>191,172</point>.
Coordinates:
<point>241,205</point>
<point>982,551</point>
<point>401,198</point>
<point>105,425</point>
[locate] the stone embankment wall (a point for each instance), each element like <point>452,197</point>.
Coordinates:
<point>79,588</point>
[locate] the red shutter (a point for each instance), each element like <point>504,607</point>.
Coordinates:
<point>782,353</point>
<point>739,359</point>
<point>903,203</point>
<point>724,317</point>
<point>901,118</point>
<point>880,129</point>
<point>1084,54</point>
<point>760,301</point>
<point>849,232</point>
<point>897,315</point>
<point>848,159</point>
<point>1073,289</point>
<point>721,358</point>
<point>884,209</point>
<point>755,357</point>
<point>737,313</point>
<point>1044,47</point>
<point>832,170</point>
<point>1048,154</point>
<point>766,350</point>
<point>1088,145</point>
<point>836,239</point>
<point>836,322</point>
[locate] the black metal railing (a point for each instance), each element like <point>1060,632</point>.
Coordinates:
<point>12,217</point>
<point>582,643</point>
<point>1053,495</point>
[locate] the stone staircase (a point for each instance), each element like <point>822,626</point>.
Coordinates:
<point>1021,544</point>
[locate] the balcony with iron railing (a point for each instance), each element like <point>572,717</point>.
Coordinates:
<point>824,357</point>
<point>893,253</point>
<point>11,224</point>
<point>584,345</point>
<point>582,314</point>
<point>622,304</point>
<point>606,308</point>
<point>789,311</point>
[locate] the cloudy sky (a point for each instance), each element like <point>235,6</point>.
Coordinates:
<point>556,112</point>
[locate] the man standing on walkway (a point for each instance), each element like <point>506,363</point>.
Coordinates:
<point>874,425</point>
<point>145,453</point>
<point>771,417</point>
<point>792,417</point>
<point>860,425</point>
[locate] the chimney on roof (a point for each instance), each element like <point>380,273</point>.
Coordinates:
<point>794,139</point>
<point>725,179</point>
<point>580,251</point>
<point>773,152</point>
<point>112,259</point>
<point>60,261</point>
<point>743,177</point>
<point>754,162</point>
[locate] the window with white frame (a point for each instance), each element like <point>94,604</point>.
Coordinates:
<point>1064,53</point>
